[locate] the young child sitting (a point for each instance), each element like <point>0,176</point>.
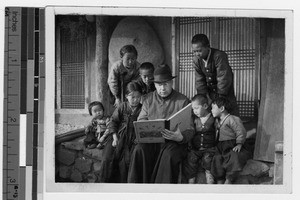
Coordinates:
<point>122,124</point>
<point>146,78</point>
<point>123,72</point>
<point>203,143</point>
<point>97,128</point>
<point>231,156</point>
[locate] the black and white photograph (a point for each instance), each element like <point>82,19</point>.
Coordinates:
<point>113,70</point>
<point>149,99</point>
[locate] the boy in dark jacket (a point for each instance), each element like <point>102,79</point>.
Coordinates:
<point>146,79</point>
<point>213,74</point>
<point>203,142</point>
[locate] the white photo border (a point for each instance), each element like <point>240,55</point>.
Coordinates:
<point>49,142</point>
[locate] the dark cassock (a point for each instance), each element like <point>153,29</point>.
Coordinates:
<point>155,162</point>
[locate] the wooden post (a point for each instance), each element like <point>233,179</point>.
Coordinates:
<point>270,119</point>
<point>175,51</point>
<point>58,68</point>
<point>257,67</point>
<point>102,41</point>
<point>278,167</point>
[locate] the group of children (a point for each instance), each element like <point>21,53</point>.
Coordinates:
<point>217,145</point>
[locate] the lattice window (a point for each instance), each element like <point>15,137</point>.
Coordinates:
<point>188,27</point>
<point>237,39</point>
<point>236,36</point>
<point>73,73</point>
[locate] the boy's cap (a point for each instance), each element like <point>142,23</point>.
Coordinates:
<point>163,74</point>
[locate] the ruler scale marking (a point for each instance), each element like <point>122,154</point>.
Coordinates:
<point>13,115</point>
<point>24,85</point>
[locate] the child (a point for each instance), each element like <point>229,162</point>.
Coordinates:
<point>230,156</point>
<point>146,78</point>
<point>203,142</point>
<point>97,127</point>
<point>122,125</point>
<point>123,72</point>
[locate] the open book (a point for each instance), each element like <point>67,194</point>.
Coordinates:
<point>149,131</point>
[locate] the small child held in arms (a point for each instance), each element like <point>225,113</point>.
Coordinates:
<point>203,143</point>
<point>123,72</point>
<point>146,78</point>
<point>122,125</point>
<point>97,130</point>
<point>231,156</point>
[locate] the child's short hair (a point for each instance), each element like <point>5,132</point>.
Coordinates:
<point>133,87</point>
<point>201,38</point>
<point>147,66</point>
<point>222,101</point>
<point>201,99</point>
<point>95,103</point>
<point>128,49</point>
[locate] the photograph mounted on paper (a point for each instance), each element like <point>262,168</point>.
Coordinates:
<point>106,66</point>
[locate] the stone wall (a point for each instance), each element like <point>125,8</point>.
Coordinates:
<point>75,163</point>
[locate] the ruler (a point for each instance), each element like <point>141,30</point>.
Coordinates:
<point>12,67</point>
<point>24,85</point>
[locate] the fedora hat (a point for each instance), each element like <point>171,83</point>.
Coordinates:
<point>162,74</point>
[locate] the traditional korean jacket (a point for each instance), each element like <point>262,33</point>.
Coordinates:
<point>205,136</point>
<point>215,78</point>
<point>119,77</point>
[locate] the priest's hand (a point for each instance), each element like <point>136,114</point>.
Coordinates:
<point>172,135</point>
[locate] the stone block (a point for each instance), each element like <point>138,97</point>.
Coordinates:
<point>266,181</point>
<point>65,156</point>
<point>76,176</point>
<point>96,166</point>
<point>255,168</point>
<point>93,153</point>
<point>91,178</point>
<point>83,164</point>
<point>136,31</point>
<point>64,171</point>
<point>244,180</point>
<point>74,145</point>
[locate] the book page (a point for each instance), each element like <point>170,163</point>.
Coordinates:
<point>182,118</point>
<point>149,131</point>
